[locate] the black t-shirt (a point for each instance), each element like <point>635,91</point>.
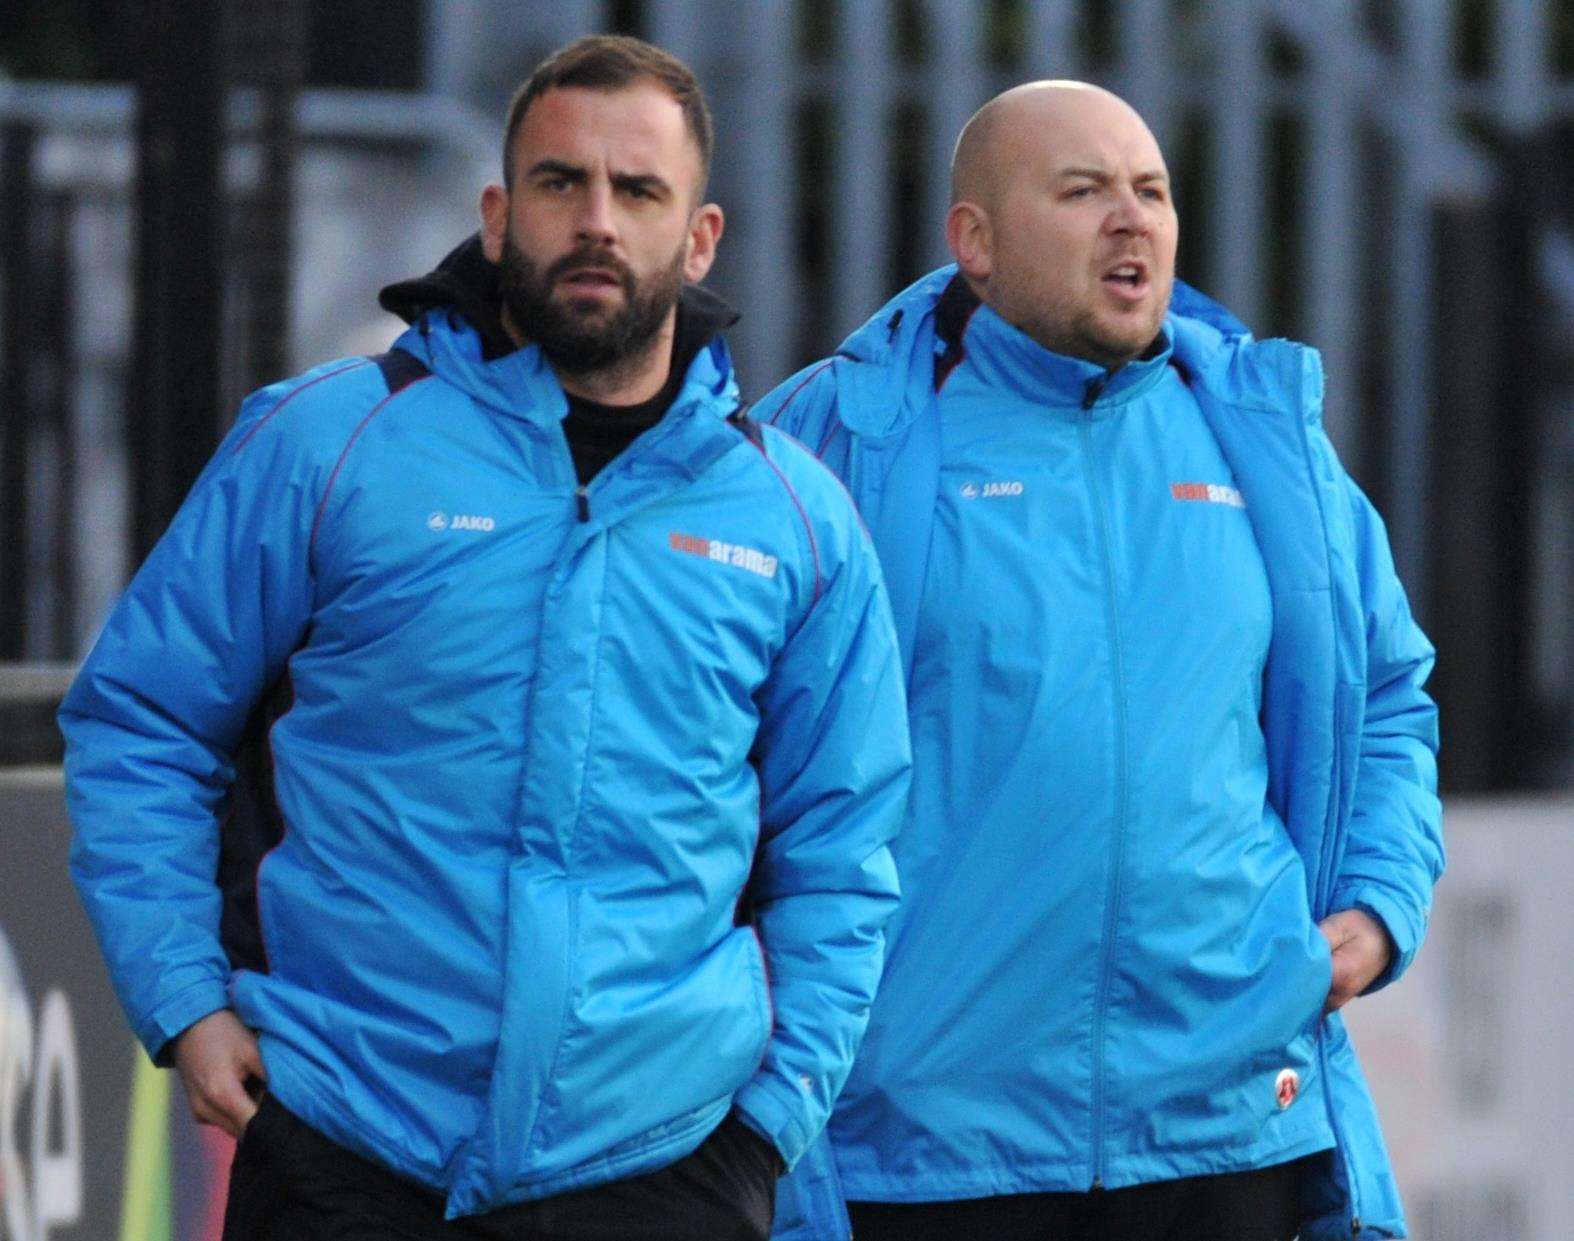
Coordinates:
<point>597,433</point>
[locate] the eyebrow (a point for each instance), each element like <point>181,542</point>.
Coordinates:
<point>577,174</point>
<point>556,168</point>
<point>647,181</point>
<point>1101,176</point>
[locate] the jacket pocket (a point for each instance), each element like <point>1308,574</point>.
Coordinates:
<point>1326,977</point>
<point>645,1051</point>
<point>764,1006</point>
<point>1349,713</point>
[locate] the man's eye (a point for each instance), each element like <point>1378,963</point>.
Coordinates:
<point>1152,193</point>
<point>1079,191</point>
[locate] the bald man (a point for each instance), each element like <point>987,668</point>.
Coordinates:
<point>1174,769</point>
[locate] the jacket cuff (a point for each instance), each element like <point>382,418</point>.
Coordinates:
<point>760,1107</point>
<point>1405,928</point>
<point>181,1011</point>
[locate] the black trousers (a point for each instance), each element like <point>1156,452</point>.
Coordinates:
<point>1261,1205</point>
<point>290,1183</point>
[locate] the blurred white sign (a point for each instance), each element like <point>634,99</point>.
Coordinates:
<point>1469,1055</point>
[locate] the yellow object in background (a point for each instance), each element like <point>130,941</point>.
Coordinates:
<point>146,1202</point>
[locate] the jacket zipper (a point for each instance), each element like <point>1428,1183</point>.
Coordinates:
<point>1342,1152</point>
<point>1117,851</point>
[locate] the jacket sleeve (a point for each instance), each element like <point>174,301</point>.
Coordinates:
<point>1394,849</point>
<point>833,761</point>
<point>157,709</point>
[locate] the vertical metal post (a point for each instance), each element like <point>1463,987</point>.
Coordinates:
<point>567,20</point>
<point>58,349</point>
<point>449,27</point>
<point>1409,382</point>
<point>676,26</point>
<point>863,152</point>
<point>1145,59</point>
<point>1523,37</point>
<point>760,123</point>
<point>269,54</point>
<point>1237,170</point>
<point>16,188</point>
<point>1052,40</point>
<point>173,393</point>
<point>1329,218</point>
<point>956,89</point>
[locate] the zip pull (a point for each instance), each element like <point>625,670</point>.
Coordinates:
<point>1095,389</point>
<point>582,502</point>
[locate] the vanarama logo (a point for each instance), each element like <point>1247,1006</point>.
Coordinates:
<point>1208,493</point>
<point>735,554</point>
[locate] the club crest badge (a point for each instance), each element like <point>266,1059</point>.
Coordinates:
<point>1286,1087</point>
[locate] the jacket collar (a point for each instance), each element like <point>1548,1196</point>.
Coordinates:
<point>520,384</point>
<point>902,339</point>
<point>1008,360</point>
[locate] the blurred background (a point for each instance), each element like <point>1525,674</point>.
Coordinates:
<point>200,197</point>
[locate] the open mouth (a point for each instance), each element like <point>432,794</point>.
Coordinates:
<point>1127,280</point>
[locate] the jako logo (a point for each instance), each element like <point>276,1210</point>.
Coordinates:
<point>441,521</point>
<point>973,491</point>
<point>740,557</point>
<point>1208,493</point>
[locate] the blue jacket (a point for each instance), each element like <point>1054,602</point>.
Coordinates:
<point>540,741</point>
<point>971,1098</point>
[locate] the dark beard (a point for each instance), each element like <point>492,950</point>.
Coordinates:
<point>586,344</point>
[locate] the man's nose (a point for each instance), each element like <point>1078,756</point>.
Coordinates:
<point>1127,214</point>
<point>596,223</point>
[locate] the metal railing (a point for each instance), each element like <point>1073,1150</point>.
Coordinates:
<point>32,684</point>
<point>1316,142</point>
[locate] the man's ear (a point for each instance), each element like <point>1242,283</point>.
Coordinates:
<point>494,221</point>
<point>968,234</point>
<point>705,229</point>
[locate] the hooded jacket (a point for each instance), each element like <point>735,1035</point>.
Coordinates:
<point>535,746</point>
<point>1180,985</point>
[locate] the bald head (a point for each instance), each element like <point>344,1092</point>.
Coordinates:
<point>1061,219</point>
<point>1035,113</point>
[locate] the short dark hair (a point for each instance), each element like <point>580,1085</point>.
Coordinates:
<point>610,62</point>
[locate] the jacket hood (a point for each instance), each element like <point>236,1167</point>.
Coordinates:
<point>466,281</point>
<point>457,330</point>
<point>882,398</point>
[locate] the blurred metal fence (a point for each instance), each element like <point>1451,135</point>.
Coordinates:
<point>1332,158</point>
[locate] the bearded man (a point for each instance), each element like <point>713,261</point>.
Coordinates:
<point>1174,768</point>
<point>516,662</point>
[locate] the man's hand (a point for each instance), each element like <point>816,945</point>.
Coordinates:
<point>1361,950</point>
<point>215,1058</point>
